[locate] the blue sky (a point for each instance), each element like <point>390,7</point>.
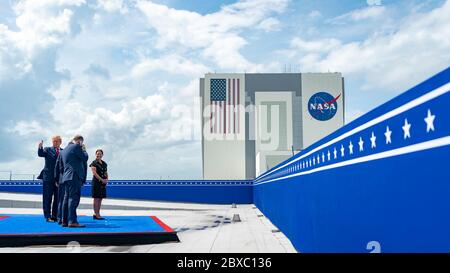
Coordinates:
<point>124,73</point>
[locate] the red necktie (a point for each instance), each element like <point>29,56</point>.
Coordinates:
<point>57,152</point>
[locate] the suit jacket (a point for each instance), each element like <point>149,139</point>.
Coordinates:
<point>74,161</point>
<point>59,170</point>
<point>49,153</point>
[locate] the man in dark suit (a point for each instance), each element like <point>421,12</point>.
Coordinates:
<point>59,171</point>
<point>74,159</point>
<point>50,191</point>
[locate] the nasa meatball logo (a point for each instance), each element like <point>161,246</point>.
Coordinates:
<point>323,106</point>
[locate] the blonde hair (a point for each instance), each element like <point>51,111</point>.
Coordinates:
<point>57,138</point>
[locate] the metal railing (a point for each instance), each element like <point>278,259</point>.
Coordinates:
<point>9,172</point>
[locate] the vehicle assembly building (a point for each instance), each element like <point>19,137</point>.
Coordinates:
<point>253,121</point>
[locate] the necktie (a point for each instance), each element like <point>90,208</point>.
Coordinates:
<point>57,152</point>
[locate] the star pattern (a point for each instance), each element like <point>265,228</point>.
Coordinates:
<point>373,140</point>
<point>361,144</point>
<point>388,135</point>
<point>429,120</point>
<point>406,130</point>
<point>324,156</point>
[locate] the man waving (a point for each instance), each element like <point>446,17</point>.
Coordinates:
<point>50,191</point>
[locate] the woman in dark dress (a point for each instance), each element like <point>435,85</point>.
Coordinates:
<point>99,180</point>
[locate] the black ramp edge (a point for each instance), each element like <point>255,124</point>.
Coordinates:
<point>100,239</point>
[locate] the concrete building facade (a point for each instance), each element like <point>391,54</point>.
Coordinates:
<point>253,121</point>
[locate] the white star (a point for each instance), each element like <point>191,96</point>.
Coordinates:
<point>335,153</point>
<point>361,144</point>
<point>342,150</point>
<point>388,135</point>
<point>430,121</point>
<point>318,159</point>
<point>314,161</point>
<point>323,157</point>
<point>329,155</point>
<point>406,129</point>
<point>373,139</point>
<point>310,162</point>
<point>350,147</point>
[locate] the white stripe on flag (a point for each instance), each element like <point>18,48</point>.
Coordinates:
<point>224,104</point>
<point>238,108</point>
<point>229,104</point>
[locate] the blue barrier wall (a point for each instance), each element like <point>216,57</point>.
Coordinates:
<point>195,191</point>
<point>384,178</point>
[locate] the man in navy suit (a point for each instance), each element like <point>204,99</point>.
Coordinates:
<point>74,159</point>
<point>50,191</point>
<point>59,171</point>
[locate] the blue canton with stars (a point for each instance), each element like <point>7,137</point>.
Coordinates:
<point>218,89</point>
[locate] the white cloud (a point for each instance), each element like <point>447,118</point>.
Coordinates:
<point>269,24</point>
<point>314,14</point>
<point>369,13</point>
<point>113,6</point>
<point>43,23</point>
<point>40,25</point>
<point>216,33</point>
<point>173,64</point>
<point>23,128</point>
<point>417,49</point>
<point>373,2</point>
<point>324,45</point>
<point>13,64</point>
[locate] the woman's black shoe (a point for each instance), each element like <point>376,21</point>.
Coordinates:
<point>97,218</point>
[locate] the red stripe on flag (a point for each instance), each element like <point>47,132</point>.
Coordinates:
<point>224,111</point>
<point>234,106</point>
<point>225,117</point>
<point>215,117</point>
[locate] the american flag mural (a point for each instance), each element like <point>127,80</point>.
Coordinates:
<point>224,110</point>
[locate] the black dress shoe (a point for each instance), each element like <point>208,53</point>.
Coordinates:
<point>97,218</point>
<point>50,220</point>
<point>76,225</point>
<point>64,225</point>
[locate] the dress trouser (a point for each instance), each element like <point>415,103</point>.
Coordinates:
<point>61,194</point>
<point>71,200</point>
<point>50,199</point>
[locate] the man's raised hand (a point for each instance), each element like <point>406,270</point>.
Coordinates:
<point>41,144</point>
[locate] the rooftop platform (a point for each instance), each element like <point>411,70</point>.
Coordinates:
<point>31,229</point>
<point>200,228</point>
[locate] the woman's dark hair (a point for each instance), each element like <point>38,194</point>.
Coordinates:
<point>99,150</point>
